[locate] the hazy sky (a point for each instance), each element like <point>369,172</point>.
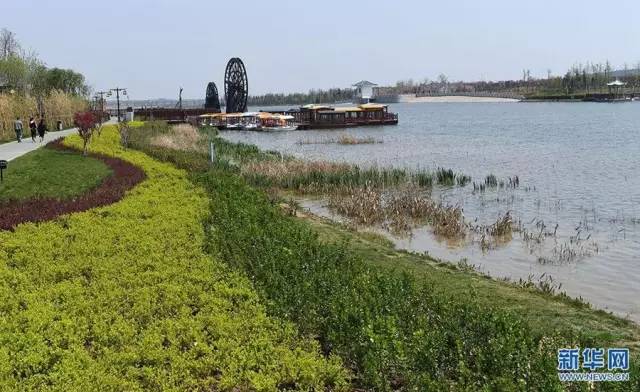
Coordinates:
<point>153,47</point>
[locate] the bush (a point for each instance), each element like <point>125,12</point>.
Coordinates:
<point>123,298</point>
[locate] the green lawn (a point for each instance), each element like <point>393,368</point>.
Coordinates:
<point>542,311</point>
<point>51,173</point>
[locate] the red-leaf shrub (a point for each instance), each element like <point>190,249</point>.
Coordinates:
<point>86,123</point>
<point>125,176</point>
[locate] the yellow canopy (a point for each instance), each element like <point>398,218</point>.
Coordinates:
<point>348,109</point>
<point>265,115</point>
<point>370,106</point>
<point>313,106</point>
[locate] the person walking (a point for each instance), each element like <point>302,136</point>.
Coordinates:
<point>42,129</point>
<point>17,126</point>
<point>34,129</point>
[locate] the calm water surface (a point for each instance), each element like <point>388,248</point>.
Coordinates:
<point>579,169</point>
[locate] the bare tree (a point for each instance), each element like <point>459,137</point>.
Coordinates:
<point>9,45</point>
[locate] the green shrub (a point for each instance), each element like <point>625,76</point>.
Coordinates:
<point>123,298</point>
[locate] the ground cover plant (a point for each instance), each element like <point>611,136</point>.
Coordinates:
<point>51,173</point>
<point>394,328</point>
<point>121,177</point>
<point>123,297</point>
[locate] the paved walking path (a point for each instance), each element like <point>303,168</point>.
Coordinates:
<point>12,150</point>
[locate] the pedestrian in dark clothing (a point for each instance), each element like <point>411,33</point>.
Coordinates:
<point>34,129</point>
<point>42,129</point>
<point>17,126</point>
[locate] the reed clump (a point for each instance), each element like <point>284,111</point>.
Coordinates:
<point>447,177</point>
<point>351,140</point>
<point>492,182</point>
<point>182,137</point>
<point>362,205</point>
<point>398,210</point>
<point>344,139</point>
<point>322,177</point>
<point>503,226</point>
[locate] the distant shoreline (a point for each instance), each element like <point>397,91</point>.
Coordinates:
<point>451,99</point>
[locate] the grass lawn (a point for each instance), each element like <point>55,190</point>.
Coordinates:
<point>542,311</point>
<point>51,173</point>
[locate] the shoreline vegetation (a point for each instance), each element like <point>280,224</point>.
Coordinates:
<point>398,320</point>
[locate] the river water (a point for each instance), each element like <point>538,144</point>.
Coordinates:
<point>579,171</point>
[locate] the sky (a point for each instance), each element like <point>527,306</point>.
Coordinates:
<point>154,47</point>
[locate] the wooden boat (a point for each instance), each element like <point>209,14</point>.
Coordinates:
<point>251,121</point>
<point>278,122</point>
<point>325,116</point>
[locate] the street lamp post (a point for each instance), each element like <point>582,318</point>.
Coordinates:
<point>101,94</point>
<point>117,91</point>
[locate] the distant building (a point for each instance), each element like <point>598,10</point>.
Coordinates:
<point>364,90</point>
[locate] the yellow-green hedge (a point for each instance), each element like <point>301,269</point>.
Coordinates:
<point>124,298</point>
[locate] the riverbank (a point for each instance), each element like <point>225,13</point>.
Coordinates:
<point>397,320</point>
<point>542,306</point>
<point>409,98</point>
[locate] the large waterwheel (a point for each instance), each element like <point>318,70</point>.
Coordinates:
<point>211,100</point>
<point>236,86</point>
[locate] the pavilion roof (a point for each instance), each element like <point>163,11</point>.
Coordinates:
<point>616,83</point>
<point>364,83</point>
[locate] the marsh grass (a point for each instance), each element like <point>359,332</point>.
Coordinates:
<point>447,177</point>
<point>493,182</point>
<point>344,139</point>
<point>497,233</point>
<point>545,284</point>
<point>323,177</point>
<point>350,140</point>
<point>183,137</point>
<point>398,210</point>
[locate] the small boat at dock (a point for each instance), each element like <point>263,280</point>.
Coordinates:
<point>278,122</point>
<point>250,121</point>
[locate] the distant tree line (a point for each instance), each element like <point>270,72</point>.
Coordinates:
<point>333,95</point>
<point>28,88</point>
<point>590,78</point>
<point>22,72</point>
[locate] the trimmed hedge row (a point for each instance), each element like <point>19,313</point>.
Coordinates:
<point>124,177</point>
<point>124,298</point>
